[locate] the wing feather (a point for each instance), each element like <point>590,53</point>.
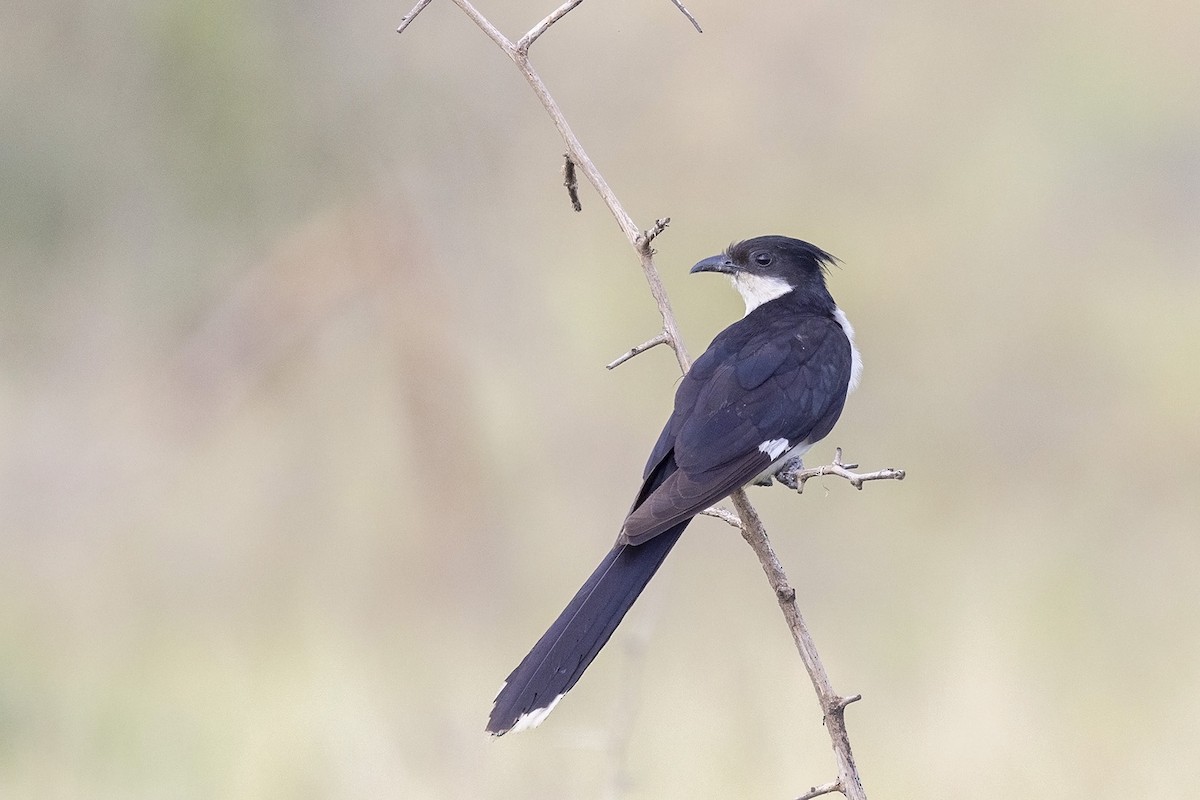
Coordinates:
<point>683,496</point>
<point>783,378</point>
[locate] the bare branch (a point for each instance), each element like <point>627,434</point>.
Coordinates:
<point>584,164</point>
<point>662,338</point>
<point>831,702</point>
<point>571,182</point>
<point>491,30</point>
<point>537,30</point>
<point>839,469</point>
<point>688,14</point>
<point>746,518</point>
<point>825,788</point>
<point>410,16</point>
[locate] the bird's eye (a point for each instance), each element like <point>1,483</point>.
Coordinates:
<point>762,259</point>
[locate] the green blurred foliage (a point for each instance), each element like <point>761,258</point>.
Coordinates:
<point>306,433</point>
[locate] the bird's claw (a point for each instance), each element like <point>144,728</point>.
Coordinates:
<point>787,473</point>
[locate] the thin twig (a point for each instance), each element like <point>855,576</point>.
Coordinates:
<point>842,470</point>
<point>662,338</point>
<point>825,788</point>
<point>723,514</point>
<point>649,236</point>
<point>488,28</point>
<point>537,30</point>
<point>410,16</point>
<point>688,14</point>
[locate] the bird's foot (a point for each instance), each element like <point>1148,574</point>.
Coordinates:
<point>787,473</point>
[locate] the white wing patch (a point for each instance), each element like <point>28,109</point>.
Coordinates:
<point>773,447</point>
<point>855,356</point>
<point>531,719</point>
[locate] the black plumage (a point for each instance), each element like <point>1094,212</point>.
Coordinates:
<point>781,375</point>
<point>768,387</point>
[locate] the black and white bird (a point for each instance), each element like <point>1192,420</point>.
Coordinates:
<point>768,387</point>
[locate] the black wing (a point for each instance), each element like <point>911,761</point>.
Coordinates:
<point>780,378</point>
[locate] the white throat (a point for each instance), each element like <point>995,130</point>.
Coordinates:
<point>758,289</point>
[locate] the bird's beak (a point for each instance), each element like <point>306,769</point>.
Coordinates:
<point>719,263</point>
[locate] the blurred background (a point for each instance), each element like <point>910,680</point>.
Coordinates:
<point>305,434</point>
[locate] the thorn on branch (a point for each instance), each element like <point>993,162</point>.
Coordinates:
<point>845,701</point>
<point>662,338</point>
<point>410,16</point>
<point>838,707</point>
<point>571,182</point>
<point>688,14</point>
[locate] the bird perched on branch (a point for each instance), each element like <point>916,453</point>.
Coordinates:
<point>768,387</point>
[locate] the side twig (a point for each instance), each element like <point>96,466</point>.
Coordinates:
<point>662,338</point>
<point>688,14</point>
<point>817,791</point>
<point>410,16</point>
<point>842,470</point>
<point>723,514</point>
<point>537,30</point>
<point>825,788</point>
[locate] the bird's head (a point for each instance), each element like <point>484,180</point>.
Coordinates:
<point>768,267</point>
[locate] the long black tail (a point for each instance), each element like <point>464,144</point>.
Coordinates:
<point>565,650</point>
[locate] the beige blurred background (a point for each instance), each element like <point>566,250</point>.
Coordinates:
<point>305,433</point>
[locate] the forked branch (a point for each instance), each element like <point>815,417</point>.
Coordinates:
<point>841,470</point>
<point>746,518</point>
<point>837,469</point>
<point>640,240</point>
